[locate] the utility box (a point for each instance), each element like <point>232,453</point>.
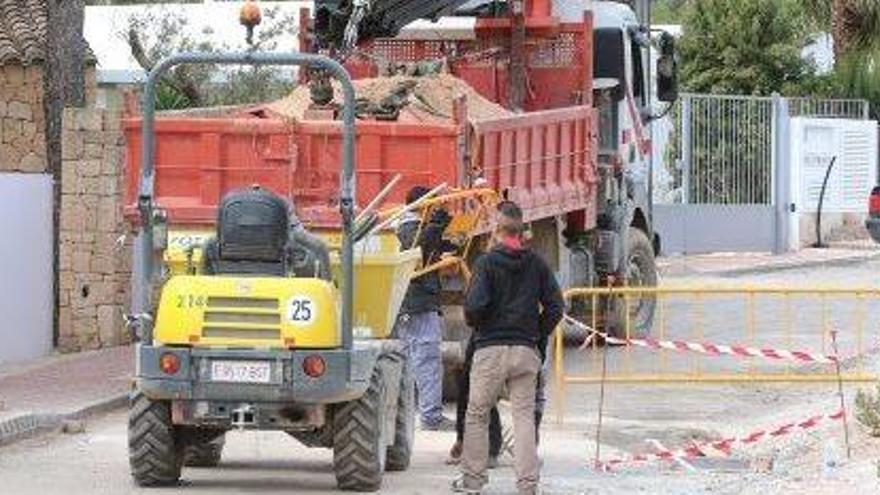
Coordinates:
<point>814,143</point>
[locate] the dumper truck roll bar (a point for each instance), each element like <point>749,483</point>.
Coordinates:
<point>141,302</point>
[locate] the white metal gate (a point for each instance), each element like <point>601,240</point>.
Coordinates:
<point>26,247</point>
<point>717,185</point>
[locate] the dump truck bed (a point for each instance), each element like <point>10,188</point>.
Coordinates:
<point>544,159</point>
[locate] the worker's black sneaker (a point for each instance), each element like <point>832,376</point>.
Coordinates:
<point>444,424</point>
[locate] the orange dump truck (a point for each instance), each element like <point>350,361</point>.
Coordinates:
<point>571,144</point>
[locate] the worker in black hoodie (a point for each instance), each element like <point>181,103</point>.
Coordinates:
<point>513,304</point>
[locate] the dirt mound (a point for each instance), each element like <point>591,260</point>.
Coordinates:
<point>431,98</point>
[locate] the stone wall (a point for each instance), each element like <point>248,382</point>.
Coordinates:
<point>95,250</point>
<point>22,120</point>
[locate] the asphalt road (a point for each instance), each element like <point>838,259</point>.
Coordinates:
<point>96,461</point>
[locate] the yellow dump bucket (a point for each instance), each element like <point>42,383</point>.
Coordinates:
<point>381,274</point>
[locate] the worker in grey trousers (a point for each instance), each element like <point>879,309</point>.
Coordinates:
<point>420,322</point>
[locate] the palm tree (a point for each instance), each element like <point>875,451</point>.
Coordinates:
<point>855,24</point>
<point>855,28</point>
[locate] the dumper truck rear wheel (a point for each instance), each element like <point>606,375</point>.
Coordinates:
<point>201,453</point>
<point>359,438</point>
<point>400,452</point>
<point>154,451</point>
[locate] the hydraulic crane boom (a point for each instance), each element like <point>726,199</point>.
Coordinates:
<point>340,24</point>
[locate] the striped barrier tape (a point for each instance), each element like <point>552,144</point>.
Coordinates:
<point>724,446</point>
<point>708,349</point>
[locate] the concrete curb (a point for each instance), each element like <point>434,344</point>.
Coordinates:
<point>31,424</point>
<point>797,265</point>
<point>771,268</point>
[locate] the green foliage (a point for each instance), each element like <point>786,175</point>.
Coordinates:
<point>868,410</point>
<point>856,20</point>
<point>750,47</point>
<point>668,11</point>
<point>168,98</point>
<point>158,33</point>
<point>858,76</point>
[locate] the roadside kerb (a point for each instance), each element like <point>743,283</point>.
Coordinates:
<point>30,424</point>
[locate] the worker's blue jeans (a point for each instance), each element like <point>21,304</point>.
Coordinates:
<point>422,334</point>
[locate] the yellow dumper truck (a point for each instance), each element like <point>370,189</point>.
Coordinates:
<point>239,339</point>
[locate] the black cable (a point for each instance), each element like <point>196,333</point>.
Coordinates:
<point>819,243</point>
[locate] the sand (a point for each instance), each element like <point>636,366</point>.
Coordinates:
<point>431,99</point>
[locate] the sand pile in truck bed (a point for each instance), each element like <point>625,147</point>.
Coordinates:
<point>430,100</point>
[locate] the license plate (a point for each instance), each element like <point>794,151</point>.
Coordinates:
<point>241,371</point>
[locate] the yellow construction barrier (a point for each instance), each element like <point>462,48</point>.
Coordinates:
<point>754,317</point>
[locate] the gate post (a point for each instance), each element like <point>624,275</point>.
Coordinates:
<point>685,164</point>
<point>780,173</point>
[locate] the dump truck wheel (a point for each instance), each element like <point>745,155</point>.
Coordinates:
<point>641,271</point>
<point>204,453</point>
<point>359,438</point>
<point>400,452</point>
<point>154,451</point>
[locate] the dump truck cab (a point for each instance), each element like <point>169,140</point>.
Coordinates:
<point>239,338</point>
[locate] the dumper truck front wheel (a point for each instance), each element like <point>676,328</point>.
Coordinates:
<point>359,438</point>
<point>154,450</point>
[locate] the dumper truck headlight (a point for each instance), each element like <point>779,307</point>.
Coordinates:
<point>169,363</point>
<point>314,366</point>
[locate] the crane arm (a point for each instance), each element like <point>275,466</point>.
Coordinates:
<point>341,24</point>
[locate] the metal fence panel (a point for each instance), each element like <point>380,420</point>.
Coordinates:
<point>781,325</point>
<point>722,146</point>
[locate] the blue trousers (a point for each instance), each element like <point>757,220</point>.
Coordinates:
<point>422,334</point>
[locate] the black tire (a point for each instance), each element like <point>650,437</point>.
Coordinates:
<point>204,453</point>
<point>154,451</point>
<point>359,438</point>
<point>400,451</point>
<point>641,271</point>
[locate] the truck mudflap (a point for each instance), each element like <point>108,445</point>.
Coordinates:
<point>270,375</point>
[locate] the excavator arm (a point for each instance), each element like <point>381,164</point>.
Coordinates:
<point>341,24</point>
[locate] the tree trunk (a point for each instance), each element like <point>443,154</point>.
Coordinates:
<point>66,51</point>
<point>839,32</point>
<point>64,85</point>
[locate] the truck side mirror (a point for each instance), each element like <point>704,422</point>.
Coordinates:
<point>667,69</point>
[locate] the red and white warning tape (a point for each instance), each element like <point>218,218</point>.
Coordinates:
<point>710,349</point>
<point>723,446</point>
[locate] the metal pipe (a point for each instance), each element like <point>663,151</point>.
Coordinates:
<point>141,299</point>
<point>410,207</point>
<point>378,199</point>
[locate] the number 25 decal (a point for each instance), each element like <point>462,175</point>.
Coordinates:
<point>301,311</point>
